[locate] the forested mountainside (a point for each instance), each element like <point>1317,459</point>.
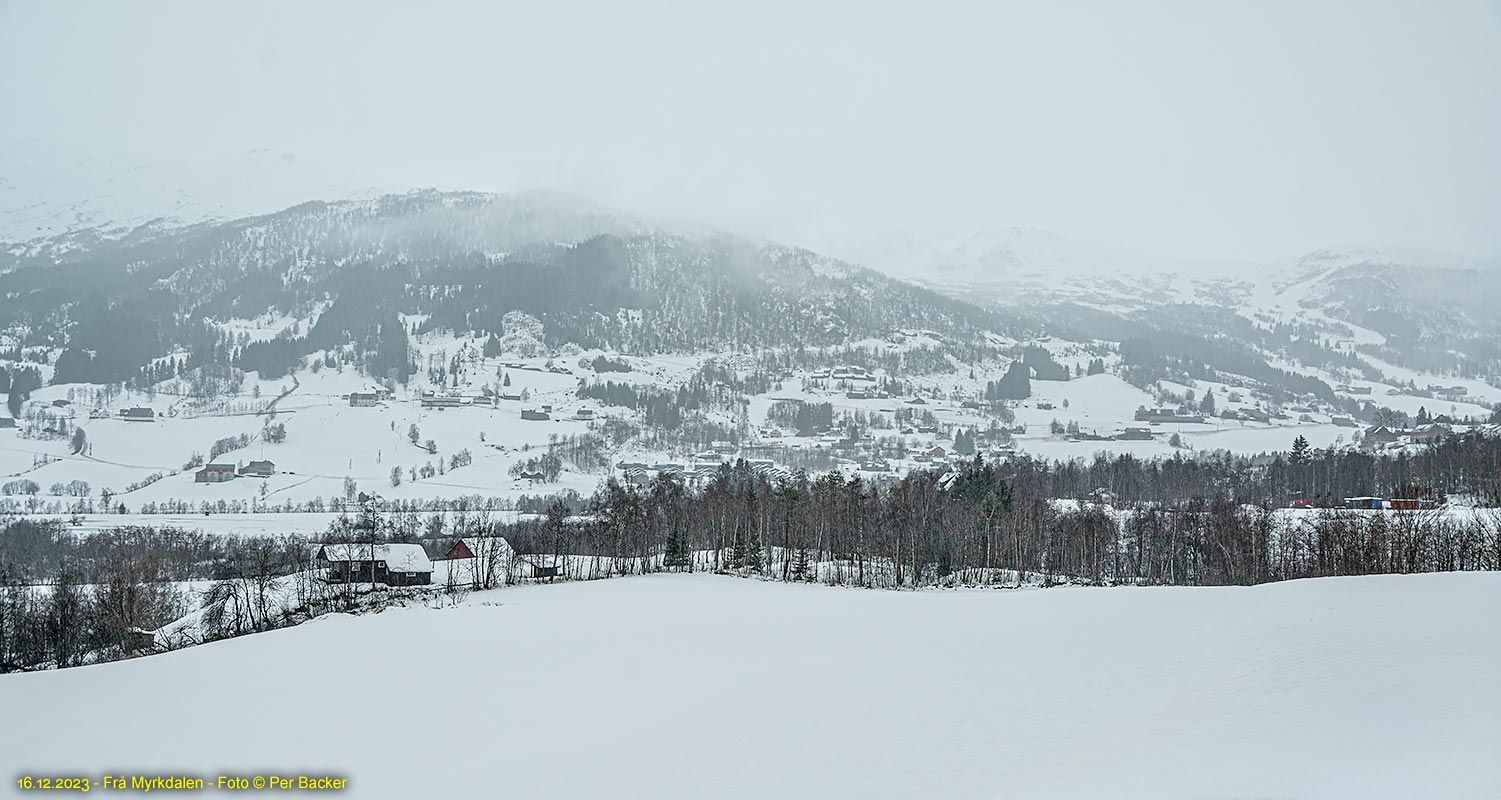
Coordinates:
<point>368,273</point>
<point>1434,318</point>
<point>361,277</point>
<point>1427,311</point>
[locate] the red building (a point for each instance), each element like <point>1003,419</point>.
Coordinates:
<point>215,473</point>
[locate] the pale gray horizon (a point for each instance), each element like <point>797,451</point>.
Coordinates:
<point>1198,131</point>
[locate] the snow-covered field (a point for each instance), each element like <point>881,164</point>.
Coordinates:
<point>702,686</point>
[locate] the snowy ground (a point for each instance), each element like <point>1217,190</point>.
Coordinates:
<point>701,686</point>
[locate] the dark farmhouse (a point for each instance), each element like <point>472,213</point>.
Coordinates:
<point>258,469</point>
<point>391,564</point>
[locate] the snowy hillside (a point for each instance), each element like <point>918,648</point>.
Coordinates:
<point>698,686</point>
<point>44,194</point>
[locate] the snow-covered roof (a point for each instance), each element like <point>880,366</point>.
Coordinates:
<point>398,557</point>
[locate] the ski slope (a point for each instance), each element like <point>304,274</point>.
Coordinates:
<point>691,686</point>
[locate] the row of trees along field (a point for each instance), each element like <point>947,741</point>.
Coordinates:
<point>987,525</point>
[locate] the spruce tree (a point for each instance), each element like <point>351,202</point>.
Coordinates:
<point>1300,450</point>
<point>676,554</point>
<point>800,566</point>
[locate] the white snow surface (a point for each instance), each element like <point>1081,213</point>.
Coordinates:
<point>691,686</point>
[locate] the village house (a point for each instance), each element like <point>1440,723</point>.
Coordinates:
<point>1429,434</point>
<point>430,400</point>
<point>362,399</point>
<point>936,451</point>
<point>535,415</point>
<point>391,564</point>
<point>137,414</point>
<point>258,469</point>
<point>1378,435</point>
<point>215,473</point>
<point>1135,435</point>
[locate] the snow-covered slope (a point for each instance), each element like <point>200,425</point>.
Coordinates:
<point>700,686</point>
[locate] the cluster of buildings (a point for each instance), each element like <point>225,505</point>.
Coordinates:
<point>221,472</point>
<point>431,400</point>
<point>406,564</point>
<point>1380,503</point>
<point>1378,437</point>
<point>847,373</point>
<point>1168,415</point>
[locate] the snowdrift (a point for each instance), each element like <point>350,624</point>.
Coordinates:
<point>692,686</point>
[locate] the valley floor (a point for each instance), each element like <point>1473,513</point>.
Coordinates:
<point>699,686</point>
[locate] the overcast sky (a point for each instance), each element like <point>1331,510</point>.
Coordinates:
<point>1194,129</point>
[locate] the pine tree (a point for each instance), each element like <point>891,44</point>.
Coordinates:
<point>676,554</point>
<point>800,567</point>
<point>1300,449</point>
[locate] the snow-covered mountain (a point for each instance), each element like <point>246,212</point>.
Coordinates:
<point>1420,310</point>
<point>45,193</point>
<point>1412,301</point>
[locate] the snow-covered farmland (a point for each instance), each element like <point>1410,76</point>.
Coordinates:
<point>696,686</point>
